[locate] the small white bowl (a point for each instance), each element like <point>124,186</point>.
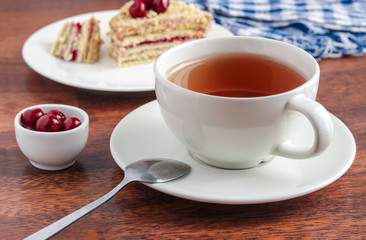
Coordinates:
<point>53,150</point>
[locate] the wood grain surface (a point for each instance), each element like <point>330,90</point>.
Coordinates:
<point>30,198</point>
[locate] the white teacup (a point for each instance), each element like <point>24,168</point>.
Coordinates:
<point>233,132</point>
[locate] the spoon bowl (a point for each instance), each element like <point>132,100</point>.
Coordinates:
<point>156,170</point>
<point>148,170</point>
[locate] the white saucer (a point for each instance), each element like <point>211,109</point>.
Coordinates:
<point>102,75</point>
<point>143,134</point>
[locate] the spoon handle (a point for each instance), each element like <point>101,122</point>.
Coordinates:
<point>55,227</point>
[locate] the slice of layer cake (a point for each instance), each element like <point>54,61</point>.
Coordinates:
<point>78,42</point>
<point>136,40</point>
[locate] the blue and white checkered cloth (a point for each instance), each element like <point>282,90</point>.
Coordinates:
<point>324,28</point>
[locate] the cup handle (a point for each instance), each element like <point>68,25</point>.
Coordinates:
<point>322,125</point>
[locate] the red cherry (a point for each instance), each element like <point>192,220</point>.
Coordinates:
<point>31,127</point>
<point>48,123</point>
<point>71,123</point>
<point>147,3</point>
<point>160,6</point>
<point>30,116</point>
<point>137,9</point>
<point>60,115</point>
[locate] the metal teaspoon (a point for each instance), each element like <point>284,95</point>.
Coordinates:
<point>149,171</point>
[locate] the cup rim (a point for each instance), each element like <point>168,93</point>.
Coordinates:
<point>83,124</point>
<point>160,76</point>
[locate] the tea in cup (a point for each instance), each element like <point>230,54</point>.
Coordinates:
<point>233,101</point>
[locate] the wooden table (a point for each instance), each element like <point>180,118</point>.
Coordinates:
<point>30,198</point>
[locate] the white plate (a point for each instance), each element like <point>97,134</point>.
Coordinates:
<point>101,76</point>
<point>143,134</point>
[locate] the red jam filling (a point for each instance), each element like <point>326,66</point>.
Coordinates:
<point>74,55</point>
<point>163,40</point>
<point>78,25</point>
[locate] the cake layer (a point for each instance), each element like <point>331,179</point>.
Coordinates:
<point>178,14</point>
<point>143,39</point>
<point>143,53</point>
<point>78,42</point>
<point>67,38</point>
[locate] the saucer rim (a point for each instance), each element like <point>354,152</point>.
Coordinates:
<point>235,200</point>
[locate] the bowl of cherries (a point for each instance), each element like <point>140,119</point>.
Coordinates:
<point>51,136</point>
